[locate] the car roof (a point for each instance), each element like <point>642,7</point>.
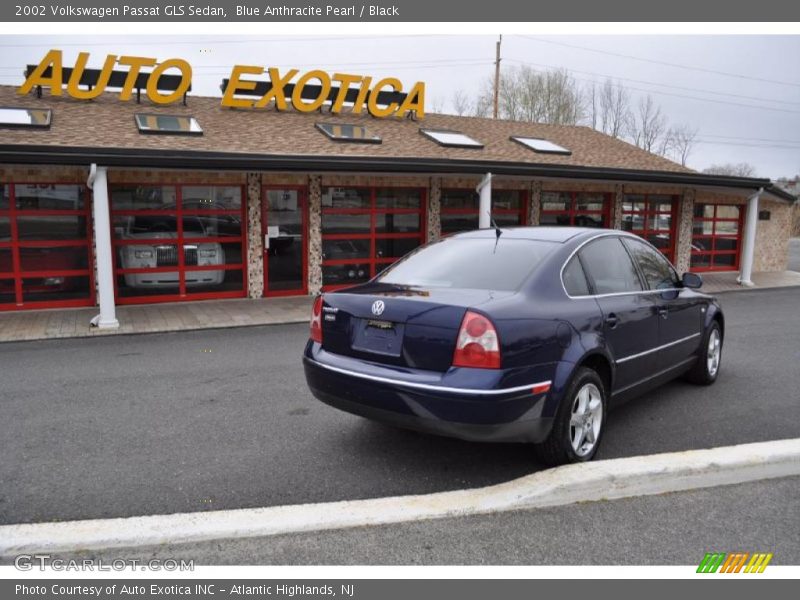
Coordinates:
<point>541,233</point>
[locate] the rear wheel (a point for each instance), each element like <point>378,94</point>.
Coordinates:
<point>579,422</point>
<point>706,369</point>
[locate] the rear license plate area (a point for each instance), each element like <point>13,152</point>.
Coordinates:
<point>378,337</point>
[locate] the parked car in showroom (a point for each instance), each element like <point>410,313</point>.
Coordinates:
<point>514,335</point>
<point>153,252</point>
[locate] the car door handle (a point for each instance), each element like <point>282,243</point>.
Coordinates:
<point>612,321</point>
<point>663,312</point>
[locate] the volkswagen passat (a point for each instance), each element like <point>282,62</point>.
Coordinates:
<point>514,335</point>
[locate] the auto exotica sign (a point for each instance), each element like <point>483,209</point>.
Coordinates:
<point>285,88</point>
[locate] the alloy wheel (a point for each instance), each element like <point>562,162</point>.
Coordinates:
<point>713,352</point>
<point>586,419</point>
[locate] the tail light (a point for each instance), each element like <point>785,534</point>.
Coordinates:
<point>478,345</point>
<point>316,320</point>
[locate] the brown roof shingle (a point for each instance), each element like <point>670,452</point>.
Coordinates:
<point>108,122</point>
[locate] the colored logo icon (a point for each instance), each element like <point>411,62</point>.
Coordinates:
<point>735,562</point>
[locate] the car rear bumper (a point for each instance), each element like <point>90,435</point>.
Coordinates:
<point>509,414</point>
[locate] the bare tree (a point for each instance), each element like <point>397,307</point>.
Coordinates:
<point>648,126</point>
<point>681,142</point>
<point>733,169</point>
<point>614,106</point>
<point>526,94</point>
<point>592,102</point>
<point>462,105</point>
<point>437,105</point>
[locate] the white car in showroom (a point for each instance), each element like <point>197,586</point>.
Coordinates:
<point>151,254</point>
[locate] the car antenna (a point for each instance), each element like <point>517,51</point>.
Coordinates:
<point>497,232</point>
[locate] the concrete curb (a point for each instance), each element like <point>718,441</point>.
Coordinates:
<point>601,480</point>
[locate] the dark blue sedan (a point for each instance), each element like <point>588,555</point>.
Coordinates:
<point>514,335</point>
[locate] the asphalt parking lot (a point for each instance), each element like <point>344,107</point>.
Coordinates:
<point>207,420</point>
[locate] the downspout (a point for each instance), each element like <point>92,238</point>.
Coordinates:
<point>485,207</point>
<point>98,183</point>
<point>748,251</point>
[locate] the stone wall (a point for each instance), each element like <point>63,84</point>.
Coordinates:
<point>683,230</point>
<point>434,225</point>
<point>314,234</point>
<point>255,241</point>
<point>772,237</point>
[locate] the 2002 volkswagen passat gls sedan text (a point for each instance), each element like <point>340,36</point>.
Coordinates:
<point>522,334</point>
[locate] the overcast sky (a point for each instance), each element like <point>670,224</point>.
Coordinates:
<point>741,92</point>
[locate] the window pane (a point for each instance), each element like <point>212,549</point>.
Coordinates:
<point>656,270</point>
<point>660,203</point>
<point>726,211</point>
<point>334,197</point>
<point>345,274</point>
<point>722,243</point>
<point>395,248</point>
<point>455,223</point>
<point>345,249</point>
<point>4,197</point>
<point>592,220</point>
<point>476,263</point>
<point>702,244</point>
<point>204,282</point>
<point>506,200</point>
<point>556,201</point>
<point>212,226</point>
<point>586,202</point>
<point>633,222</point>
<point>55,288</point>
<point>333,223</point>
<point>575,279</point>
<point>148,226</point>
<point>209,197</point>
<point>660,241</point>
<point>724,260</point>
<point>398,198</point>
<point>459,199</point>
<point>65,258</point>
<point>633,202</point>
<point>659,223</point>
<point>554,219</point>
<point>7,292</point>
<point>5,229</point>
<point>148,284</point>
<point>610,267</point>
<point>51,228</point>
<point>6,260</point>
<point>395,223</point>
<point>727,227</point>
<point>508,220</point>
<point>705,211</point>
<point>49,197</point>
<point>703,227</point>
<point>701,260</point>
<point>132,197</point>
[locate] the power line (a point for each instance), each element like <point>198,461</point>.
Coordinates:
<point>661,62</point>
<point>666,85</point>
<point>645,91</point>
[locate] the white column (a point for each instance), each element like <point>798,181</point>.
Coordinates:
<point>485,208</point>
<point>98,182</point>
<point>748,250</point>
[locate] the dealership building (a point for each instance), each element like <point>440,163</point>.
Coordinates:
<point>114,202</point>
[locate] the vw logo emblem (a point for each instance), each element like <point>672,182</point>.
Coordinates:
<point>377,307</point>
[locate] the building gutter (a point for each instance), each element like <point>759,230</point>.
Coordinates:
<point>182,159</point>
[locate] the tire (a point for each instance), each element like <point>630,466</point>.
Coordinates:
<point>706,370</point>
<point>563,445</point>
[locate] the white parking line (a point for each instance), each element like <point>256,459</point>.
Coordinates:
<point>600,480</point>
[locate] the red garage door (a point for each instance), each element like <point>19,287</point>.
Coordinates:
<point>716,237</point>
<point>45,246</point>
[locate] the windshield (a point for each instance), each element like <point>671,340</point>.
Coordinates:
<point>474,263</point>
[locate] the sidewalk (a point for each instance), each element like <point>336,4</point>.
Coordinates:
<point>154,318</point>
<point>211,314</point>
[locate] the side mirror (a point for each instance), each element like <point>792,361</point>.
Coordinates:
<point>692,281</point>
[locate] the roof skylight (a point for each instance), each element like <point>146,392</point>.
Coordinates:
<point>453,139</point>
<point>342,132</point>
<point>168,124</point>
<point>540,145</point>
<point>11,116</point>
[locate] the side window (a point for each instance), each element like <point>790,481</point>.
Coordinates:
<point>657,271</point>
<point>609,266</point>
<point>575,279</point>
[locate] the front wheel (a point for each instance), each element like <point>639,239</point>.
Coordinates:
<point>579,422</point>
<point>709,359</point>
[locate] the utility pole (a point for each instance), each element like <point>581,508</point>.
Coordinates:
<point>497,76</point>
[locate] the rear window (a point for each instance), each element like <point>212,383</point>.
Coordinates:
<point>470,263</point>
